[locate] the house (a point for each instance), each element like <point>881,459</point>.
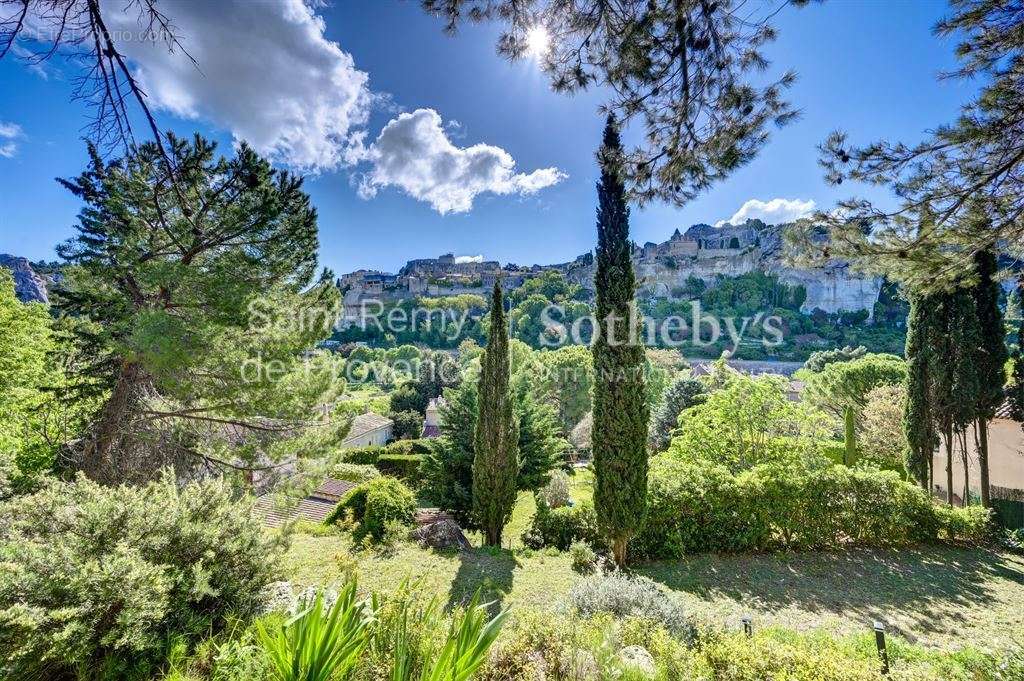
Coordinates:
<point>432,421</point>
<point>1005,455</point>
<point>369,429</point>
<point>314,508</point>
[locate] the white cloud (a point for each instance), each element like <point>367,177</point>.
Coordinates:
<point>414,153</point>
<point>266,73</point>
<point>468,258</point>
<point>772,212</point>
<point>10,133</point>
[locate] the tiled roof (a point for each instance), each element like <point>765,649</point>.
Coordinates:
<point>314,508</point>
<point>366,423</point>
<point>431,431</point>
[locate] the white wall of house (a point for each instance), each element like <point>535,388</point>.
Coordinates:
<point>1006,459</point>
<point>378,436</point>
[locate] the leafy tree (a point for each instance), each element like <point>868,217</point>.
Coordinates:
<point>686,392</point>
<point>408,424</point>
<point>980,156</point>
<point>433,373</point>
<point>748,420</point>
<point>26,340</point>
<point>918,419</point>
<point>842,388</point>
<point>496,443</point>
<point>620,406</point>
<point>990,358</point>
<point>691,71</point>
<point>882,439</point>
<point>567,380</point>
<point>200,302</point>
<point>550,285</point>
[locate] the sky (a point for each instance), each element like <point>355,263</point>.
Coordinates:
<point>415,143</point>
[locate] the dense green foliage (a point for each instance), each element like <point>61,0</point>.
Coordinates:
<point>408,424</point>
<point>696,507</point>
<point>496,438</point>
<point>24,373</point>
<point>567,378</point>
<point>822,358</point>
<point>686,392</point>
<point>746,421</point>
<point>98,580</point>
<point>918,421</point>
<point>563,526</point>
<point>620,406</point>
<point>373,506</point>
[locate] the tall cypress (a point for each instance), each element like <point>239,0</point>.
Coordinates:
<point>990,358</point>
<point>917,413</point>
<point>496,442</point>
<point>620,408</point>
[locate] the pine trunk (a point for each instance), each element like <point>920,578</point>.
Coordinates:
<point>948,437</point>
<point>117,412</point>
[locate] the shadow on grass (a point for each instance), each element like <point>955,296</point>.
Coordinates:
<point>487,569</point>
<point>929,583</point>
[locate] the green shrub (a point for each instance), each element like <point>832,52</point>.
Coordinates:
<point>560,527</point>
<point>100,579</point>
<point>971,524</point>
<point>404,466</point>
<point>374,505</point>
<point>627,596</point>
<point>556,493</point>
<point>583,557</point>
<point>407,447</point>
<point>700,507</point>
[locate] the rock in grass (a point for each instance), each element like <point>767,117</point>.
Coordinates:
<point>444,534</point>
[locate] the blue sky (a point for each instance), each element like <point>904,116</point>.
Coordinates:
<point>867,67</point>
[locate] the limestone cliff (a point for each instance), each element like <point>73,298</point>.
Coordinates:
<point>707,252</point>
<point>28,286</point>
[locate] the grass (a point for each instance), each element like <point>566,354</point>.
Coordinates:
<point>939,596</point>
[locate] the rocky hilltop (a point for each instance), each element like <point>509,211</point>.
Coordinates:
<point>706,252</point>
<point>29,286</point>
<point>703,251</point>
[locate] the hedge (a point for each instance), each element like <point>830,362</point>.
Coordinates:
<point>696,507</point>
<point>404,466</point>
<point>400,459</point>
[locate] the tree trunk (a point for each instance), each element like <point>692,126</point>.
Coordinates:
<point>115,415</point>
<point>948,437</point>
<point>967,471</point>
<point>619,551</point>
<point>986,493</point>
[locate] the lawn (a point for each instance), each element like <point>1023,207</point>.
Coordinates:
<point>942,595</point>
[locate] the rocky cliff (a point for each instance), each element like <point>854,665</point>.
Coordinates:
<point>707,252</point>
<point>28,285</point>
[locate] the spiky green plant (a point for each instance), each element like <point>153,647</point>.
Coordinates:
<point>318,643</point>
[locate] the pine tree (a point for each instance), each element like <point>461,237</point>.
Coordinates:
<point>496,442</point>
<point>620,407</point>
<point>990,357</point>
<point>917,415</point>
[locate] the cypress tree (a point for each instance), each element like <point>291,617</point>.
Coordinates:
<point>953,340</point>
<point>496,459</point>
<point>620,407</point>
<point>990,359</point>
<point>917,413</point>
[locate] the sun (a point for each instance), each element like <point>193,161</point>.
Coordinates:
<point>537,41</point>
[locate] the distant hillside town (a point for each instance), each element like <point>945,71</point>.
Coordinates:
<point>703,252</point>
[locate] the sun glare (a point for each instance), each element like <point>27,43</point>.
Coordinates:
<point>537,41</point>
